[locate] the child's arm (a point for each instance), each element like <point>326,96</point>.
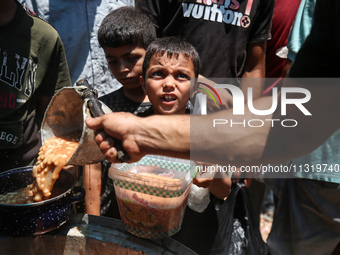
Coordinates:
<point>254,70</point>
<point>92,184</point>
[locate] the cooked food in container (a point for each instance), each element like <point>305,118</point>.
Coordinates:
<point>152,194</point>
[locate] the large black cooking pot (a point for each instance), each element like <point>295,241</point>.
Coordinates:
<point>41,217</point>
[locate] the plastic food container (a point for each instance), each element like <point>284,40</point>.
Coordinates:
<point>152,194</point>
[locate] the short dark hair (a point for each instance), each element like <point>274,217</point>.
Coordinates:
<point>173,46</point>
<point>126,25</point>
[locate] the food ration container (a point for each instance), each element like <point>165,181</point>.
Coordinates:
<point>152,194</point>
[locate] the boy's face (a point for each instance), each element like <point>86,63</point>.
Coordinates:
<point>125,63</point>
<point>167,83</point>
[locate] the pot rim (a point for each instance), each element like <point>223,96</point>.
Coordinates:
<point>47,201</point>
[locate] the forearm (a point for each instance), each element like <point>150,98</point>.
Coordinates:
<point>157,134</point>
<point>241,144</point>
<point>254,73</point>
<point>166,135</point>
<point>246,139</point>
<point>228,142</point>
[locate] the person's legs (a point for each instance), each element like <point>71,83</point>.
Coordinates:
<point>307,219</point>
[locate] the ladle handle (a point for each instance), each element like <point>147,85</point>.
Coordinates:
<point>97,111</point>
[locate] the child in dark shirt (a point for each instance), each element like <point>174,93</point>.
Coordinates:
<point>124,35</point>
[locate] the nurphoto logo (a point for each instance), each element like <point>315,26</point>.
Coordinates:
<point>239,105</point>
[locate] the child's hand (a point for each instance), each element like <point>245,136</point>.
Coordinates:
<point>202,182</point>
<point>203,177</point>
<point>218,183</point>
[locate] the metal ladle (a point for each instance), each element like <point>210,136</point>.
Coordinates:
<point>66,115</point>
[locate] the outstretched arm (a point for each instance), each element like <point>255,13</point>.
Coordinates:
<point>158,134</point>
<point>223,144</point>
<point>240,145</point>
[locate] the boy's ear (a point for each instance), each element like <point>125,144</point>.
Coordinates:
<point>142,83</point>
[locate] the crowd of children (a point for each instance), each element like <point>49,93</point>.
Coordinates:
<point>158,77</point>
<point>155,86</point>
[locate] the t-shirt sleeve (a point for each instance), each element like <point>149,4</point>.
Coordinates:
<point>57,75</point>
<point>154,9</point>
<point>319,56</point>
<point>261,28</point>
<point>161,13</point>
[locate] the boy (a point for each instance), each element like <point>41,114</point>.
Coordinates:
<point>169,65</point>
<point>124,35</point>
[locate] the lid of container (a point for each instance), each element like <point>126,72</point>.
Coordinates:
<point>156,175</point>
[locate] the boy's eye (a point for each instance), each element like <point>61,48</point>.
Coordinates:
<point>157,74</point>
<point>133,59</point>
<point>183,76</point>
<point>112,62</point>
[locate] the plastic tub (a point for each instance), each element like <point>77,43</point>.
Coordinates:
<point>152,194</point>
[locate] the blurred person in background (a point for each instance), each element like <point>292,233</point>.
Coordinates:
<point>78,22</point>
<point>34,67</point>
